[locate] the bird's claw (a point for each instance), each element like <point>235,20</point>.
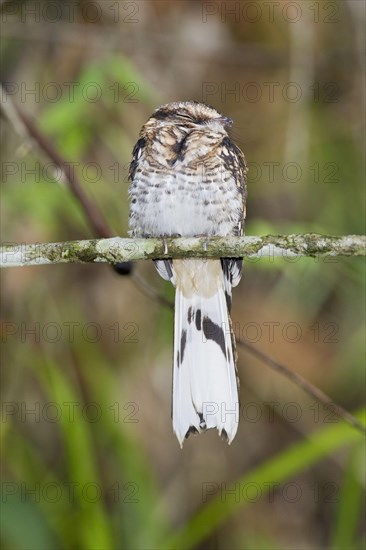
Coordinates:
<point>205,244</point>
<point>165,246</point>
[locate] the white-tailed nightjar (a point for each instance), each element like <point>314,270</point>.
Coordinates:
<point>188,179</point>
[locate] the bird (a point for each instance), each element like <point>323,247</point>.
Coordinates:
<point>188,179</point>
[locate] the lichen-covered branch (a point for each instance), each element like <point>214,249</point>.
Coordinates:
<point>119,250</point>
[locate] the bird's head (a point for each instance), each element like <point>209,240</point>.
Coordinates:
<point>189,116</point>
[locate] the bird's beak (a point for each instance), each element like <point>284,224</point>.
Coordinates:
<point>226,121</point>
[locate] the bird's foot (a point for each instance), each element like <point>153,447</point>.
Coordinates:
<point>165,246</point>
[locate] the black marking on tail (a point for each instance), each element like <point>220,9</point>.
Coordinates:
<point>190,315</point>
<point>191,430</point>
<point>224,435</point>
<point>183,341</point>
<point>198,319</point>
<point>228,300</point>
<point>203,424</point>
<point>212,331</point>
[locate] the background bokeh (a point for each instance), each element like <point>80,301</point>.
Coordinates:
<point>89,459</point>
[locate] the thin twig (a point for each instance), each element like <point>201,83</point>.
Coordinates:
<point>309,388</point>
<point>28,131</point>
<point>149,291</point>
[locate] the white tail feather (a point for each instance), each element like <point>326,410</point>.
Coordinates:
<point>205,391</point>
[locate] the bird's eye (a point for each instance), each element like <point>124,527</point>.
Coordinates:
<point>183,115</point>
